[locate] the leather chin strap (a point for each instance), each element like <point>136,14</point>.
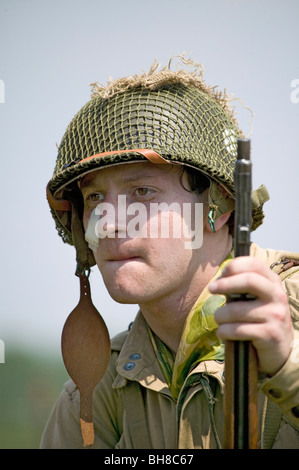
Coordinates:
<point>85,341</point>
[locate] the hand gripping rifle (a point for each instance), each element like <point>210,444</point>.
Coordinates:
<point>240,397</point>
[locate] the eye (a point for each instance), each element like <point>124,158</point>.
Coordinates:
<point>142,191</point>
<point>95,197</point>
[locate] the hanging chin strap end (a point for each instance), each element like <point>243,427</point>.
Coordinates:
<point>82,270</point>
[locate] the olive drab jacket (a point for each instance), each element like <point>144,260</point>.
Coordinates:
<point>133,407</point>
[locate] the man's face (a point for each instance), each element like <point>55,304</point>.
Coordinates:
<point>152,262</point>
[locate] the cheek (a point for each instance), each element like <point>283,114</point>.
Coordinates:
<point>169,255</point>
<point>86,217</point>
<point>167,225</point>
<point>185,227</point>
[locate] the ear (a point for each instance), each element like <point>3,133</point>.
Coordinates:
<point>219,222</point>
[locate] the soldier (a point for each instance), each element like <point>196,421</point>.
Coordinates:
<point>166,137</point>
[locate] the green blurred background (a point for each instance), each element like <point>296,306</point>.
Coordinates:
<point>30,384</point>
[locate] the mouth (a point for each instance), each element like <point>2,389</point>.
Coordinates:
<point>120,253</point>
<point>124,258</point>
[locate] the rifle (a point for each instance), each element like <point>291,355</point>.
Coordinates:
<point>240,397</point>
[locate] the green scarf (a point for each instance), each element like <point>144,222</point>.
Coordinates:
<point>199,341</point>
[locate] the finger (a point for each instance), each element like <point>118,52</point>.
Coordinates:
<point>239,331</point>
<point>272,354</point>
<point>263,324</point>
<point>247,283</point>
<point>235,312</point>
<point>243,264</point>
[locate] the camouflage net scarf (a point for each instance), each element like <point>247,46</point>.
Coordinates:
<point>199,341</point>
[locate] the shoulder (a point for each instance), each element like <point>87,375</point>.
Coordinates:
<point>270,256</point>
<point>286,265</point>
<point>118,341</point>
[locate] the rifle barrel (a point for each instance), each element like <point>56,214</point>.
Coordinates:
<point>240,400</point>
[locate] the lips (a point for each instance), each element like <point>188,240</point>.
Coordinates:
<point>112,250</point>
<point>122,253</point>
<point>123,258</point>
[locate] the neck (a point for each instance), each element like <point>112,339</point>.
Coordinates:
<point>167,316</point>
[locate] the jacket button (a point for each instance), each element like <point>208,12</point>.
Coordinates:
<point>129,365</point>
<point>275,393</point>
<point>134,356</point>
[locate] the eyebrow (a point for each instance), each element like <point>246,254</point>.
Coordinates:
<point>127,179</point>
<point>134,179</point>
<point>84,183</point>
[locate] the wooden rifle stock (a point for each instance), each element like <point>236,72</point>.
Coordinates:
<point>240,396</point>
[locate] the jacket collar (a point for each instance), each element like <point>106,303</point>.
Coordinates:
<point>137,361</point>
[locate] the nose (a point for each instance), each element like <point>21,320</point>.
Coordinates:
<point>109,226</point>
<point>111,218</point>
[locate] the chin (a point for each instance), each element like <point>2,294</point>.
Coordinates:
<point>124,291</point>
<point>122,297</point>
<point>126,285</point>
